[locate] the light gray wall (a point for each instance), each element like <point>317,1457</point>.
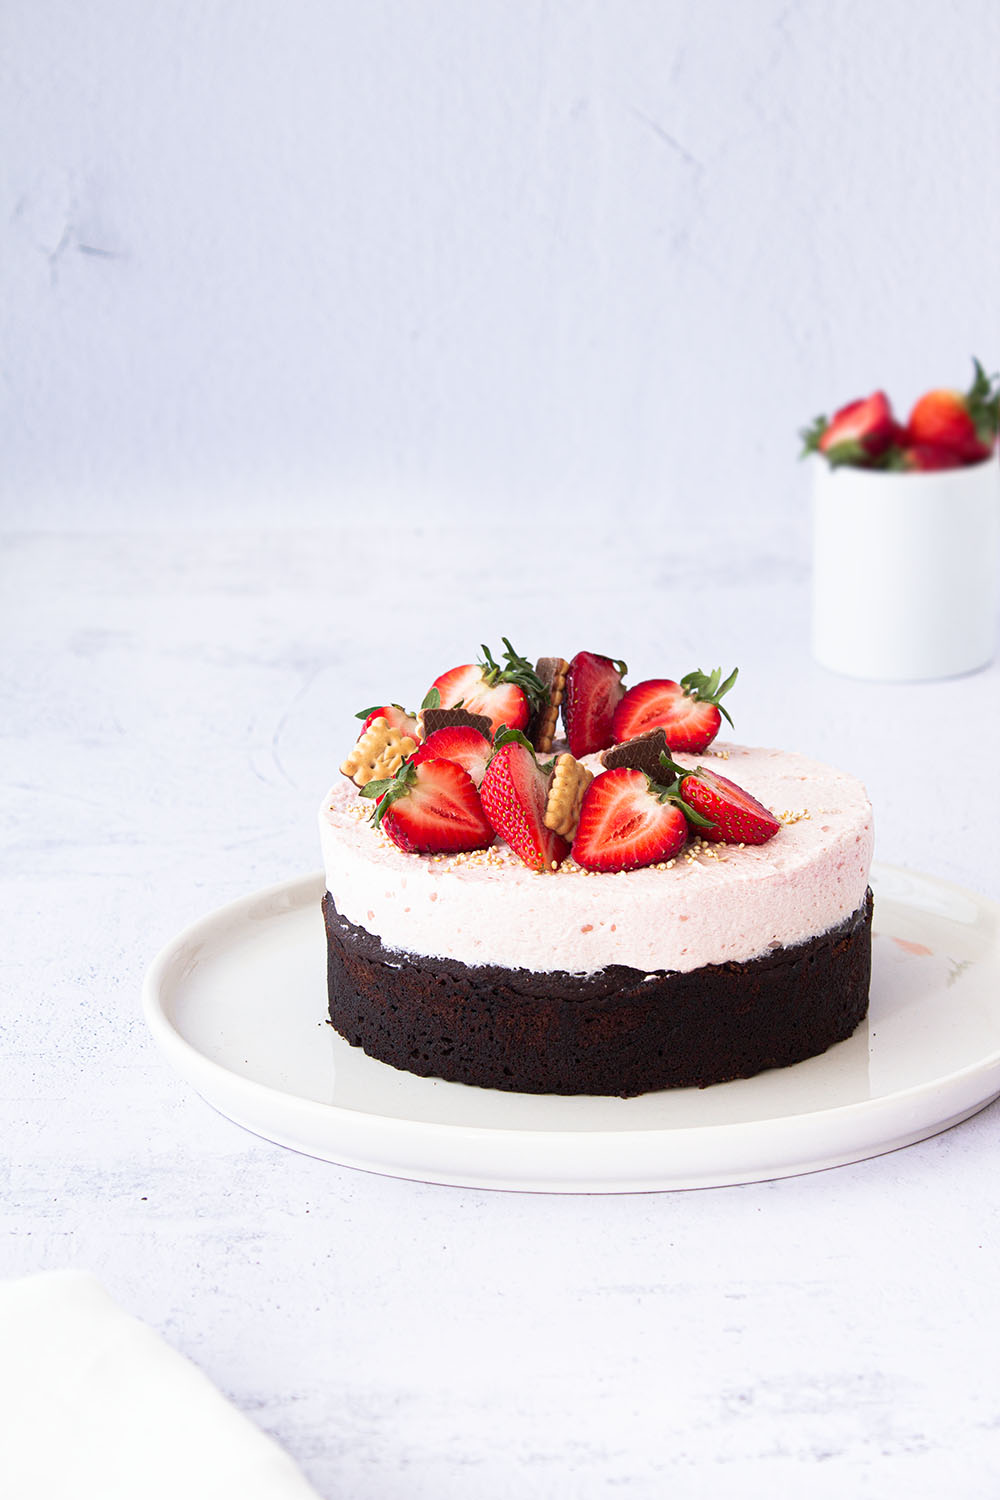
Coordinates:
<point>311,259</point>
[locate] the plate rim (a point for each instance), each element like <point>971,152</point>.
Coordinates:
<point>297,891</point>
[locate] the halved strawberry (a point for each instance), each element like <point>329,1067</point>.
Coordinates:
<point>505,694</point>
<point>396,716</point>
<point>593,692</point>
<point>515,790</point>
<point>627,821</point>
<point>735,816</point>
<point>856,434</point>
<point>431,808</point>
<point>963,423</point>
<point>689,712</point>
<point>466,747</point>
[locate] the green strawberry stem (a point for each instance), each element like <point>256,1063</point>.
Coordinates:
<point>670,790</point>
<point>518,670</point>
<point>708,689</point>
<point>983,403</point>
<point>811,435</point>
<point>364,712</point>
<point>505,736</point>
<point>390,789</point>
<point>850,454</point>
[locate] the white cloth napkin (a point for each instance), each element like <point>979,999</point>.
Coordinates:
<point>95,1406</point>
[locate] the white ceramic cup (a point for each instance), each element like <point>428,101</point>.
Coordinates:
<point>905,570</point>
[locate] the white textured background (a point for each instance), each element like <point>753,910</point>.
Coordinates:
<point>305,259</point>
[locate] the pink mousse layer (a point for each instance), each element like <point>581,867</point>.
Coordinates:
<point>714,903</point>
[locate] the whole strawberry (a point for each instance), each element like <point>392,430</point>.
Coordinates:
<point>515,791</point>
<point>689,712</point>
<point>961,424</point>
<point>431,808</point>
<point>506,694</point>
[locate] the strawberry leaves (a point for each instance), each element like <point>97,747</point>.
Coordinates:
<point>711,688</point>
<point>389,790</point>
<point>517,670</point>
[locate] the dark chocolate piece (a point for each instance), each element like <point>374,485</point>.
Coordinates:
<point>617,1032</point>
<point>643,753</point>
<point>450,718</point>
<point>551,671</point>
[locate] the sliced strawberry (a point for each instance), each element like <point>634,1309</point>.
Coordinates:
<point>738,818</point>
<point>431,808</point>
<point>505,694</point>
<point>515,790</point>
<point>466,747</point>
<point>856,434</point>
<point>689,712</point>
<point>721,811</point>
<point>455,687</point>
<point>627,821</point>
<point>593,692</point>
<point>396,717</point>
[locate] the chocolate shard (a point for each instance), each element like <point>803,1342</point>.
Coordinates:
<point>643,754</point>
<point>449,718</point>
<point>552,671</point>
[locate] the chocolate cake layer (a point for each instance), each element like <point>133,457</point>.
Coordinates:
<point>617,1032</point>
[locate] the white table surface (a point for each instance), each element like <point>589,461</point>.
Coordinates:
<point>174,706</point>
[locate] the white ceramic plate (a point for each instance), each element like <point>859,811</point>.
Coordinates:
<point>237,1003</point>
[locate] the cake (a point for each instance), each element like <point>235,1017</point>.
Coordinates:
<point>643,911</point>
